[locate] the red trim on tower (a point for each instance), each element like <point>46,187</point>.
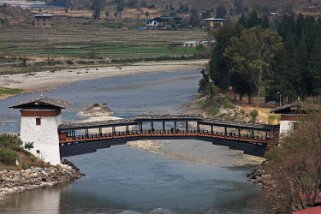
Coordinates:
<point>25,113</point>
<point>292,117</point>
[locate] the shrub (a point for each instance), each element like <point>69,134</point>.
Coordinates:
<point>8,156</point>
<point>9,141</point>
<point>274,118</point>
<point>213,90</point>
<point>69,62</point>
<point>228,104</point>
<point>29,145</point>
<point>253,114</point>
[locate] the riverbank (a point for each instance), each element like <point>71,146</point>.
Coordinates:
<point>17,181</point>
<point>46,80</point>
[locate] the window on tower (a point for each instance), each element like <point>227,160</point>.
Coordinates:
<point>38,121</point>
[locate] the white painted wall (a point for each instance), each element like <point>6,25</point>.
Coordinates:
<point>285,127</point>
<point>44,137</point>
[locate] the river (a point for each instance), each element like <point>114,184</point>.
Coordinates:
<point>186,177</point>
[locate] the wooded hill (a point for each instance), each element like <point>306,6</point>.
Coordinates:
<point>232,6</point>
<point>13,15</point>
<point>259,57</point>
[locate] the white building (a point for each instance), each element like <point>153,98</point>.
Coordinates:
<point>40,119</point>
<point>191,43</point>
<point>290,115</point>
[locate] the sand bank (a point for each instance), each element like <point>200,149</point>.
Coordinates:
<point>46,80</point>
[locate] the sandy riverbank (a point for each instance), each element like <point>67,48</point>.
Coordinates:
<point>46,80</point>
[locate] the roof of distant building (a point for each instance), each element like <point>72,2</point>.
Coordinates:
<point>42,15</point>
<point>215,19</point>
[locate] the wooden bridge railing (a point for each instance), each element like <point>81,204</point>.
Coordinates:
<point>64,139</point>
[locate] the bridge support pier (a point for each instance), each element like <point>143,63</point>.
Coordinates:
<point>152,125</point>
<point>163,126</point>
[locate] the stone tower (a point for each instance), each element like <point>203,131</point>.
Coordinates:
<point>40,119</point>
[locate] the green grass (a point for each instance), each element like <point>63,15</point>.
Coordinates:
<point>11,91</point>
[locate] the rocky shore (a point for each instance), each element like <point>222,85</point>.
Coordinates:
<point>12,181</point>
<point>258,177</point>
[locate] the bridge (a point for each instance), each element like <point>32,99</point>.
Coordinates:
<point>82,138</point>
<point>41,123</point>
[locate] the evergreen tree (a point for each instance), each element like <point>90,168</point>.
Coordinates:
<point>219,65</point>
<point>315,68</point>
<point>304,84</point>
<point>97,6</point>
<point>221,11</point>
<point>194,19</point>
<point>254,20</point>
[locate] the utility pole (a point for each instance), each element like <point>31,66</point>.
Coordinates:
<point>279,93</point>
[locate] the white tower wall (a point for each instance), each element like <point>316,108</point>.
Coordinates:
<point>44,137</point>
<point>285,127</point>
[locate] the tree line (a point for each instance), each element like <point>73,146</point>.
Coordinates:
<point>257,56</point>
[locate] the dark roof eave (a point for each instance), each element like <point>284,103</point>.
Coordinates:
<point>42,102</point>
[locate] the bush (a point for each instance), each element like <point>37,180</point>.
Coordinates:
<point>29,145</point>
<point>8,156</point>
<point>9,141</point>
<point>274,119</point>
<point>69,62</point>
<point>254,113</point>
<point>227,104</point>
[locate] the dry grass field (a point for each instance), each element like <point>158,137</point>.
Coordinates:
<point>93,40</point>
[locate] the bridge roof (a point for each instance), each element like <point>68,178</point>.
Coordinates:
<point>189,117</point>
<point>139,119</point>
<point>96,124</point>
<point>262,127</point>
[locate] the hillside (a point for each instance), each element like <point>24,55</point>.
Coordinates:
<point>174,5</point>
<point>13,15</point>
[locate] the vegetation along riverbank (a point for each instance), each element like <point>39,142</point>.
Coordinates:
<point>20,170</point>
<point>246,78</point>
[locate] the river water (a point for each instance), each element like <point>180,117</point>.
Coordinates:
<point>186,177</point>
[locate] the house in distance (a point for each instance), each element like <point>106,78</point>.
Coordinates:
<point>163,23</point>
<point>42,20</point>
<point>214,23</point>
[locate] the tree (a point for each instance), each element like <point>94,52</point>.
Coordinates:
<point>294,168</point>
<point>314,66</point>
<point>206,14</point>
<point>221,11</point>
<point>238,6</point>
<point>219,65</point>
<point>194,19</point>
<point>253,52</point>
<point>97,6</point>
<point>120,6</point>
<point>253,114</point>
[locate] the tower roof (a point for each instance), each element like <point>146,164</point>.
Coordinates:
<point>43,102</point>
